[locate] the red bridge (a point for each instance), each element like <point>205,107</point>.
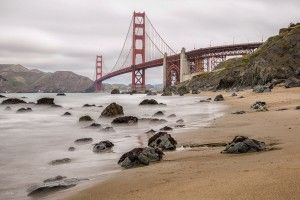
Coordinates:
<point>147,49</point>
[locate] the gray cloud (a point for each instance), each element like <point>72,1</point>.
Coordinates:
<point>66,35</point>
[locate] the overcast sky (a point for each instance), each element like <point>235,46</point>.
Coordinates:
<point>53,35</point>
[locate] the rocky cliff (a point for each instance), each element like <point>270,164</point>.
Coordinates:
<point>16,78</point>
<point>276,61</point>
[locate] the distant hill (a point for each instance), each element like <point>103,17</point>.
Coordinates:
<point>17,78</point>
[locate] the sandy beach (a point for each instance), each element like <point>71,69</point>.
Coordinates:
<point>205,173</point>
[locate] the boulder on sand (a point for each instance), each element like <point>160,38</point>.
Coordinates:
<point>85,118</point>
<point>259,106</point>
<point>112,110</point>
<point>71,149</point>
<point>219,98</point>
<point>102,146</point>
<point>115,91</point>
<point>140,156</point>
<point>67,114</point>
<point>159,113</point>
<point>89,105</point>
<point>84,140</point>
<point>45,101</point>
<point>162,140</point>
<point>125,120</point>
<point>149,102</point>
<point>13,101</point>
<point>242,144</point>
<point>94,125</point>
<point>23,110</point>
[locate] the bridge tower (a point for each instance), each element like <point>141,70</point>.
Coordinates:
<point>98,85</point>
<point>138,51</point>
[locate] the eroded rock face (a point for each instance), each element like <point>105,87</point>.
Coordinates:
<point>162,140</point>
<point>140,157</point>
<point>112,110</point>
<point>292,82</point>
<point>13,101</point>
<point>260,106</point>
<point>125,120</point>
<point>242,144</point>
<point>23,110</point>
<point>149,102</point>
<point>45,101</point>
<point>103,146</point>
<point>85,118</point>
<point>219,98</point>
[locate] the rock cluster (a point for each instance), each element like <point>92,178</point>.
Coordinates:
<point>45,101</point>
<point>149,102</point>
<point>242,144</point>
<point>13,101</point>
<point>125,120</point>
<point>112,110</point>
<point>140,156</point>
<point>102,146</point>
<point>260,106</point>
<point>162,140</point>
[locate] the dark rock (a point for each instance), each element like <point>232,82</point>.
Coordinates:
<point>2,96</point>
<point>56,106</point>
<point>23,110</point>
<point>241,97</point>
<point>151,131</point>
<point>85,118</point>
<point>292,82</point>
<point>281,109</point>
<point>171,116</point>
<point>215,144</point>
<point>179,126</point>
<point>182,90</point>
<point>180,121</point>
<point>67,114</point>
<point>242,144</point>
<point>166,128</point>
<point>71,149</point>
<point>112,110</point>
<point>162,104</point>
<point>7,108</point>
<point>56,178</point>
<point>94,125</point>
<point>259,106</point>
<point>208,99</point>
<point>60,161</point>
<point>125,120</point>
<point>23,97</point>
<point>219,98</point>
<point>61,94</point>
<point>195,91</point>
<point>47,187</point>
<point>103,146</point>
<point>12,101</point>
<point>234,94</point>
<point>140,156</point>
<point>45,101</point>
<point>297,107</point>
<point>261,88</point>
<point>89,105</point>
<point>162,140</point>
<point>108,129</point>
<point>239,112</point>
<point>84,140</point>
<point>149,102</point>
<point>204,101</point>
<point>115,91</point>
<point>157,121</point>
<point>158,113</point>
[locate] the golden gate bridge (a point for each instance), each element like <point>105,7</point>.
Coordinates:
<point>144,48</point>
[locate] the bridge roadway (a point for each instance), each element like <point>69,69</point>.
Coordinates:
<point>228,50</point>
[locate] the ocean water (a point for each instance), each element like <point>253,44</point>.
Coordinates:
<point>29,141</point>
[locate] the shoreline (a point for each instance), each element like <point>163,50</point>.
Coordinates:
<point>204,173</point>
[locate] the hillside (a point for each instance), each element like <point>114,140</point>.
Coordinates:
<point>276,61</point>
<point>16,78</point>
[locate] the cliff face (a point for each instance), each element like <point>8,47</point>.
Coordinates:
<point>278,59</point>
<point>16,78</point>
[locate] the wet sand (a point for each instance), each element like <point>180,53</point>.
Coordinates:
<point>205,173</point>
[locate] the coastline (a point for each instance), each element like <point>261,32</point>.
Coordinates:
<point>204,173</point>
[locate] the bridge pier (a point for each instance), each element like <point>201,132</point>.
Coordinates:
<point>165,70</point>
<point>184,66</point>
